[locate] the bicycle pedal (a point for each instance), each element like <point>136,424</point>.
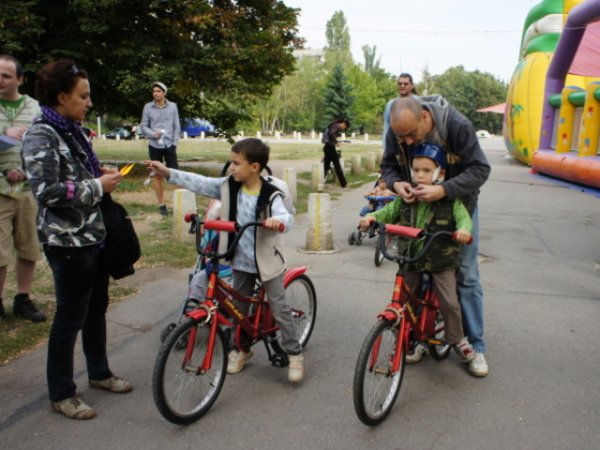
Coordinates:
<point>279,360</point>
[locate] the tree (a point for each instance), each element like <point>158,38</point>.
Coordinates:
<point>338,96</point>
<point>217,57</point>
<point>372,62</point>
<point>337,34</point>
<point>468,91</point>
<point>296,104</point>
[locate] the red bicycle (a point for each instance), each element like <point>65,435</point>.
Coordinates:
<point>191,365</point>
<point>408,319</point>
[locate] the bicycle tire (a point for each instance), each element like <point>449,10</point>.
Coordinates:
<point>181,395</point>
<point>300,294</point>
<point>375,390</point>
<point>439,352</point>
<point>378,256</point>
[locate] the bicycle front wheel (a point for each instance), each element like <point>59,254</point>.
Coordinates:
<point>302,298</point>
<point>376,386</point>
<point>182,392</point>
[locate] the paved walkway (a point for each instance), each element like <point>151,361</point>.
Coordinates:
<point>540,241</point>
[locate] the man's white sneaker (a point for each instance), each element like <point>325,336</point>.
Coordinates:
<point>479,366</point>
<point>295,368</point>
<point>236,361</point>
<point>417,355</point>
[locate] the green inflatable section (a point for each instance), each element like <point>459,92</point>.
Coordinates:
<point>544,43</point>
<point>575,98</point>
<point>539,11</point>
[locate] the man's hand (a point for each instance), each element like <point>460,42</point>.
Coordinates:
<point>15,176</point>
<point>15,132</point>
<point>429,193</point>
<point>405,191</point>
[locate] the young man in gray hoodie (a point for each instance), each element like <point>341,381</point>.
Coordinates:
<point>432,119</point>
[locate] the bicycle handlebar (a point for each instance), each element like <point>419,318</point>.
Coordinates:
<point>408,232</point>
<point>221,225</point>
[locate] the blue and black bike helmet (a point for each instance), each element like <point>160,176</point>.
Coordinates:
<point>431,151</point>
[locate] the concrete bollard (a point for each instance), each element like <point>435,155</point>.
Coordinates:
<point>202,135</point>
<point>319,136</point>
<point>118,137</point>
<point>289,176</point>
<point>312,134</point>
<point>356,165</point>
<point>353,135</point>
<point>185,135</point>
<point>319,236</point>
<point>343,136</point>
<point>318,178</point>
<point>258,135</point>
<point>277,135</point>
<point>184,202</point>
<point>371,164</point>
<point>366,136</point>
<point>299,135</point>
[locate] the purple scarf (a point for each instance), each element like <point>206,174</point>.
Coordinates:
<point>62,123</point>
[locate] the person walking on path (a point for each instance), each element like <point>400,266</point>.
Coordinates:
<point>160,124</point>
<point>18,209</point>
<point>330,151</point>
<point>432,119</point>
<point>69,185</point>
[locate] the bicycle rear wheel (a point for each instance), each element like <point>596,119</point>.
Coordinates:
<point>375,387</point>
<point>181,393</point>
<point>439,352</point>
<point>302,298</point>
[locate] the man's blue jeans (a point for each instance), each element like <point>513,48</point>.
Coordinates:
<point>470,292</point>
<point>81,286</point>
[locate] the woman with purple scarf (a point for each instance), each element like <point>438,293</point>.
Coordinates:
<point>69,183</point>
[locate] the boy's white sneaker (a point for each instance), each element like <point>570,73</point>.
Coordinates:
<point>479,366</point>
<point>417,355</point>
<point>295,368</point>
<point>236,361</point>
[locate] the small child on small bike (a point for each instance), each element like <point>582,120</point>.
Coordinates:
<point>246,197</point>
<point>428,164</point>
<point>380,190</point>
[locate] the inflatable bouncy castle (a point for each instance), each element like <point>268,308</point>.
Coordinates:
<point>552,117</point>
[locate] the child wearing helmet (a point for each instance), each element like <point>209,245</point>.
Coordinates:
<point>428,164</point>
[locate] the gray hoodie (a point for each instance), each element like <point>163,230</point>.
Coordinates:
<point>468,167</point>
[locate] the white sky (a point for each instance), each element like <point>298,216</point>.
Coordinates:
<point>410,35</point>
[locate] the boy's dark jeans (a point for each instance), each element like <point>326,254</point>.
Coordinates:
<point>81,285</point>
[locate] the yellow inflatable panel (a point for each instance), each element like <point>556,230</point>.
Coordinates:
<point>525,99</point>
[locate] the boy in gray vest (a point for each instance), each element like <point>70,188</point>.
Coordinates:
<point>247,197</point>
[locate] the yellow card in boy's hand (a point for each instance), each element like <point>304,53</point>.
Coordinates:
<point>126,169</point>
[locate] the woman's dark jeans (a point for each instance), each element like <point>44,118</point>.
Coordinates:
<point>81,285</point>
<point>331,157</point>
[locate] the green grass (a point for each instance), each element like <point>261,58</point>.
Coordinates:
<point>218,150</point>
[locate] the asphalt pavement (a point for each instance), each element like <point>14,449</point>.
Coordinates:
<point>540,269</point>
